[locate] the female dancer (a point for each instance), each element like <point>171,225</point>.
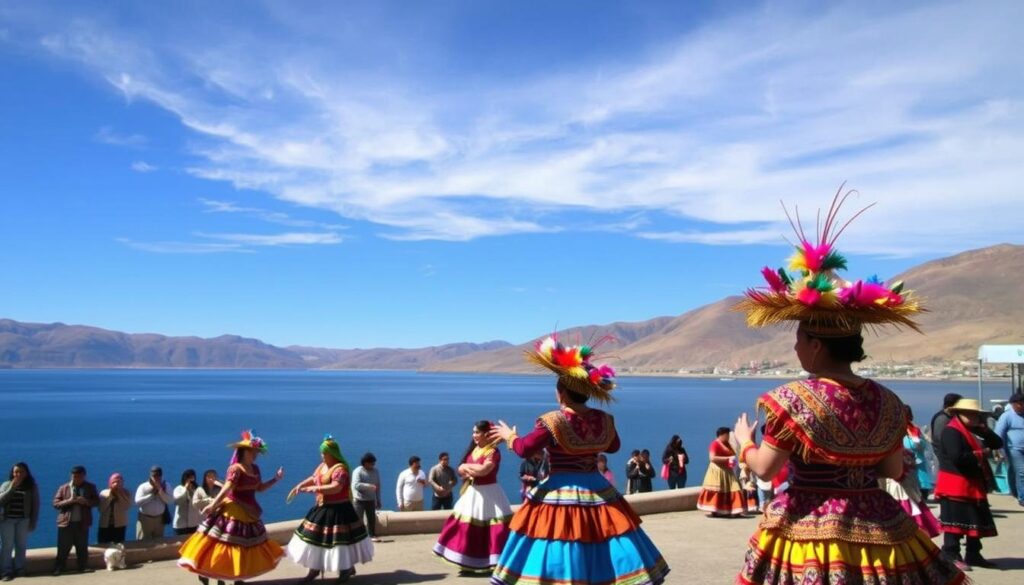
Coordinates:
<point>231,543</point>
<point>475,534</point>
<point>574,527</point>
<point>332,537</point>
<point>721,494</point>
<point>907,489</point>
<point>839,433</point>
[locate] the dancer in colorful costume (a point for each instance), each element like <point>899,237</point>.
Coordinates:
<point>231,543</point>
<point>838,432</point>
<point>332,537</point>
<point>963,482</point>
<point>721,494</point>
<point>574,528</point>
<point>474,535</point>
<point>907,489</point>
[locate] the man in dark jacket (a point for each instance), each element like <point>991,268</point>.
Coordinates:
<point>963,482</point>
<point>74,502</point>
<point>941,419</point>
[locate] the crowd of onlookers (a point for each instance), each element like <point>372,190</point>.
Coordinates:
<point>159,506</point>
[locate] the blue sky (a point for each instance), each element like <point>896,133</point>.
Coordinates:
<point>408,174</point>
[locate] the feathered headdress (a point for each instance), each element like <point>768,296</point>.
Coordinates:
<point>250,441</point>
<point>572,365</point>
<point>816,296</point>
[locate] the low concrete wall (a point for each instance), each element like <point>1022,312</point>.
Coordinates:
<point>40,560</point>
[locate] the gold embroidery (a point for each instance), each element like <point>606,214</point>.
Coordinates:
<point>566,437</point>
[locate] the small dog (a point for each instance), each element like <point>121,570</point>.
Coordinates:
<point>114,557</point>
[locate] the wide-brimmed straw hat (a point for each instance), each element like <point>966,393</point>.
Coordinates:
<point>967,404</point>
<point>812,293</point>
<point>572,364</point>
<point>250,441</point>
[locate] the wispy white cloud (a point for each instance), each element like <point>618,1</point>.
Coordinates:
<point>172,247</point>
<point>141,166</point>
<point>277,217</point>
<point>286,239</point>
<point>107,135</point>
<point>712,128</point>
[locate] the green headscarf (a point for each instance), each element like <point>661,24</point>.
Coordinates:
<point>330,446</point>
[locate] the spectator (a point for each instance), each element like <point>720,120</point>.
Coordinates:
<point>602,468</point>
<point>152,498</point>
<point>964,479</point>
<point>646,478</point>
<point>532,471</point>
<point>19,513</point>
<point>675,457</point>
<point>1010,429</point>
<point>186,515</point>
<point>208,491</point>
<point>409,488</point>
<point>115,502</point>
<point>941,419</point>
<point>633,472</point>
<point>74,502</point>
<point>442,481</point>
<point>366,492</point>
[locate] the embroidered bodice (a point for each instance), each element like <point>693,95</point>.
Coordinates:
<point>573,440</point>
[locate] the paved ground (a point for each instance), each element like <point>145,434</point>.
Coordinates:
<point>700,550</point>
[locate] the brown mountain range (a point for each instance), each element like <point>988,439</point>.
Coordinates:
<point>974,298</point>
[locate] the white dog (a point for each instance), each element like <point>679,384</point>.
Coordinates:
<point>114,557</point>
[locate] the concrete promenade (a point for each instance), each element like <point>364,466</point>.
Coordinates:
<point>700,550</point>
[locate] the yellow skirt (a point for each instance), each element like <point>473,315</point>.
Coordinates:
<point>231,545</point>
<point>775,559</point>
<point>721,493</point>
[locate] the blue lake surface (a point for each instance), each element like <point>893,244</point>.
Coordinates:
<point>128,420</point>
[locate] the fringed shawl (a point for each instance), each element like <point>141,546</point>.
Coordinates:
<point>821,420</point>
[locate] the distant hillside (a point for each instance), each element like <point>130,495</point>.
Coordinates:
<point>389,359</point>
<point>974,298</point>
<point>56,345</point>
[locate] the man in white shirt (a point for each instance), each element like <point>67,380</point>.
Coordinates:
<point>152,499</point>
<point>409,490</point>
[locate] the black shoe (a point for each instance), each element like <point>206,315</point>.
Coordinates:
<point>204,581</point>
<point>7,577</point>
<point>980,561</point>
<point>310,576</point>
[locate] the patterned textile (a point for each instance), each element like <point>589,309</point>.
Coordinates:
<point>574,527</point>
<point>834,525</point>
<point>581,435</point>
<point>230,545</point>
<point>474,535</point>
<point>721,493</point>
<point>822,419</point>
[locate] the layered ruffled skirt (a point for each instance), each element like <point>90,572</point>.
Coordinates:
<point>721,493</point>
<point>332,537</point>
<point>475,534</point>
<point>230,545</point>
<point>862,537</point>
<point>576,529</point>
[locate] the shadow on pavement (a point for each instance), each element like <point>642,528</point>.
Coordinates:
<point>393,578</point>
<point>1008,563</point>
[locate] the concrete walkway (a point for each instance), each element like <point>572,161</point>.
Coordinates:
<point>700,550</point>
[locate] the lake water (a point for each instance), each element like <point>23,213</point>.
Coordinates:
<point>128,420</point>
